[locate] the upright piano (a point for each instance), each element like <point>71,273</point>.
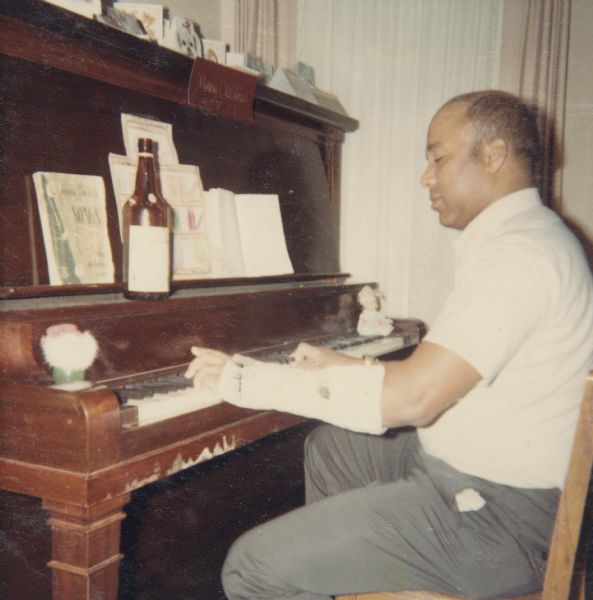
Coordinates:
<point>65,81</point>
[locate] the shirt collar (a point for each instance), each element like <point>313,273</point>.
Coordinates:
<point>491,220</point>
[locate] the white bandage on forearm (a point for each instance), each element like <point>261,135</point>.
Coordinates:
<point>348,396</point>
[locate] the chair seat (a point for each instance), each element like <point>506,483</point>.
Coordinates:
<point>420,596</point>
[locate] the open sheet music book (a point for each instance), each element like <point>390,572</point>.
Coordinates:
<point>182,189</point>
<point>245,234</point>
<point>74,227</point>
<point>216,233</point>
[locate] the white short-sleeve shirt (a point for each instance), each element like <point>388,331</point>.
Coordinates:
<point>521,313</point>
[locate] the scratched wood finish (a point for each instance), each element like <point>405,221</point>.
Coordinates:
<point>183,525</point>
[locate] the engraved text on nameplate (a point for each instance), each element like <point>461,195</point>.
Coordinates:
<point>222,91</point>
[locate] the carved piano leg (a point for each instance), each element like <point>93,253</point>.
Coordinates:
<point>86,549</point>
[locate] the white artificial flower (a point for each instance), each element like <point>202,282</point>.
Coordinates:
<point>65,347</point>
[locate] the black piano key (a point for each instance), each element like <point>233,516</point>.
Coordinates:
<point>138,390</point>
<point>177,380</point>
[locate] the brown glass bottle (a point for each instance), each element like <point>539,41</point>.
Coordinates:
<point>147,223</point>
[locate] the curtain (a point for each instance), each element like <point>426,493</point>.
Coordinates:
<point>392,63</point>
<point>256,28</point>
<point>534,65</point>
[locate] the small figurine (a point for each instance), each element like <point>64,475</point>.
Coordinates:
<point>70,353</point>
<point>371,320</point>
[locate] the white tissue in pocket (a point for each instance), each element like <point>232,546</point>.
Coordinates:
<point>469,499</point>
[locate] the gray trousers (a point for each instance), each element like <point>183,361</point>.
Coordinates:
<point>381,516</point>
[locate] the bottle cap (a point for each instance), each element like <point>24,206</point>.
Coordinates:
<point>145,145</point>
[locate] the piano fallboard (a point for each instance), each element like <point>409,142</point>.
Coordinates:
<point>136,337</point>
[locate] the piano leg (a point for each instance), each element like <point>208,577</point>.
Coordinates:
<point>86,549</point>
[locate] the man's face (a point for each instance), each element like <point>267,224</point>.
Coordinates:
<point>454,174</point>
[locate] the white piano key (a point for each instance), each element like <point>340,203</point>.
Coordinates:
<point>162,406</point>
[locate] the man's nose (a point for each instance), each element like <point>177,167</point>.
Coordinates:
<point>427,178</point>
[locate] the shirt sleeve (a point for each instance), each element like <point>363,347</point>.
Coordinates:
<point>496,303</point>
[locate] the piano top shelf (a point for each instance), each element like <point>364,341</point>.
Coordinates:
<point>45,33</point>
<point>115,290</point>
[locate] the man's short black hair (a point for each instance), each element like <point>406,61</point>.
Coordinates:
<point>496,114</point>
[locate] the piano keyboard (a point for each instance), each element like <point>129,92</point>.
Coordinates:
<point>357,346</point>
<point>164,405</point>
<point>171,394</point>
<point>374,347</point>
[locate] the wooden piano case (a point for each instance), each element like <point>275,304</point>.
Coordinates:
<point>190,483</point>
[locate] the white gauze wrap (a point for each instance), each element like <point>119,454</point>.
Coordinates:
<point>348,396</point>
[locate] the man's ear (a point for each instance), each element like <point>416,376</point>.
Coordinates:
<point>494,154</point>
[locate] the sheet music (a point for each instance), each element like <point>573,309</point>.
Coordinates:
<point>223,233</point>
<point>74,226</point>
<point>182,188</point>
<point>135,127</point>
<point>262,235</point>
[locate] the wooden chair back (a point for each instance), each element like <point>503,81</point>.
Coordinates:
<point>560,582</point>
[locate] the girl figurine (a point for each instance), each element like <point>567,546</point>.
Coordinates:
<point>372,321</point>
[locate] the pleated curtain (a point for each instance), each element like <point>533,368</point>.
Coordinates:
<point>256,28</point>
<point>393,63</point>
<point>534,65</point>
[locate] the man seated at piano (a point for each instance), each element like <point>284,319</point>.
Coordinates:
<point>460,495</point>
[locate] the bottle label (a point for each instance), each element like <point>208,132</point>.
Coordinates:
<point>148,266</point>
